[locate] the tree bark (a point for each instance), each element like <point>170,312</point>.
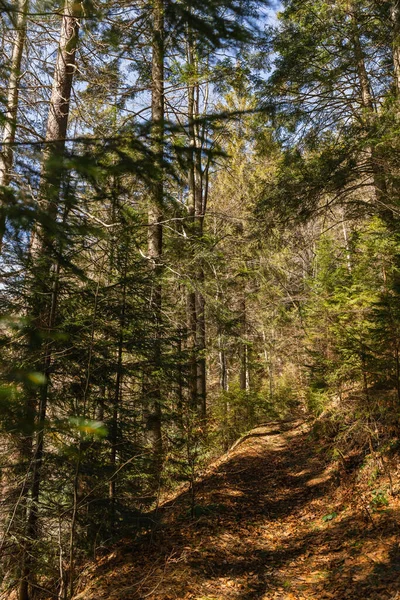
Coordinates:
<point>192,344</point>
<point>57,121</point>
<point>378,176</point>
<point>191,297</point>
<point>244,358</point>
<point>11,108</point>
<point>46,272</point>
<point>201,346</point>
<point>196,209</point>
<point>155,229</point>
<point>395,15</point>
<point>116,403</point>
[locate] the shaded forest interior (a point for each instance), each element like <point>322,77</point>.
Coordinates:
<point>199,235</point>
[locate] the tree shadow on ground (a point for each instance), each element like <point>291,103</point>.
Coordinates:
<point>261,534</point>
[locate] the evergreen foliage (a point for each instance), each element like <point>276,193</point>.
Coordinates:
<point>199,233</point>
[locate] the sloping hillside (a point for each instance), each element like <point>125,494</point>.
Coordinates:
<point>272,522</point>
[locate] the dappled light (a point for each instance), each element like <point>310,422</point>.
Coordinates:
<point>261,532</point>
<point>199,299</point>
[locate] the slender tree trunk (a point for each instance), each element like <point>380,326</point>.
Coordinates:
<point>77,484</point>
<point>11,108</point>
<point>199,192</point>
<point>155,229</point>
<point>116,402</point>
<point>181,380</point>
<point>191,297</point>
<point>397,361</point>
<point>268,356</point>
<point>243,347</point>
<point>223,367</point>
<point>395,14</point>
<point>192,343</point>
<point>223,384</point>
<point>244,359</point>
<point>346,244</point>
<point>395,17</point>
<point>201,347</point>
<point>74,518</point>
<point>38,451</point>
<point>378,176</point>
<point>196,209</point>
<point>365,377</point>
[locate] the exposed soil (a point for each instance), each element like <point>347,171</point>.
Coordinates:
<point>272,523</point>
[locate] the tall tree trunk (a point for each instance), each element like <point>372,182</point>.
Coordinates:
<point>77,483</point>
<point>268,356</point>
<point>38,450</point>
<point>196,208</point>
<point>199,193</point>
<point>181,379</point>
<point>117,401</point>
<point>363,78</point>
<point>10,125</point>
<point>378,175</point>
<point>223,384</point>
<point>395,14</point>
<point>201,348</point>
<point>24,446</point>
<point>192,344</point>
<point>191,297</point>
<point>57,120</point>
<point>244,353</point>
<point>223,372</point>
<point>46,272</point>
<point>155,229</point>
<point>346,243</point>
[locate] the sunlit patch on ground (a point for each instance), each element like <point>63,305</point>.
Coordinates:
<point>274,526</point>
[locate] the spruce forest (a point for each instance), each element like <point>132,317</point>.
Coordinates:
<point>199,299</point>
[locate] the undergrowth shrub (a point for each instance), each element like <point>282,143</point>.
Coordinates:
<point>237,411</point>
<point>317,401</point>
<point>287,394</point>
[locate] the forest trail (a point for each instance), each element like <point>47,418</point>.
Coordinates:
<point>271,523</point>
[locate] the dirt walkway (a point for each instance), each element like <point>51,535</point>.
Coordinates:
<point>268,526</point>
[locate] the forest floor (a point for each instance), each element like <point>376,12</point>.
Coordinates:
<point>274,524</point>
